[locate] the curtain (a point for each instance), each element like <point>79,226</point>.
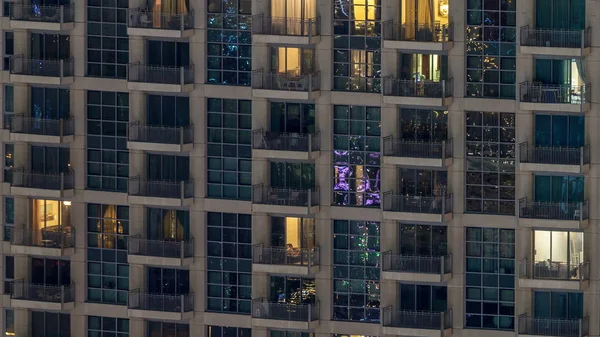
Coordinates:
<point>560,14</point>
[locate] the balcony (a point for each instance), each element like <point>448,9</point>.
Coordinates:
<point>142,22</point>
<point>286,31</point>
<point>428,269</point>
<point>285,315</point>
<point>554,215</point>
<point>286,145</point>
<point>286,86</point>
<point>41,185</point>
<point>555,97</point>
<point>160,78</point>
<point>564,43</point>
<point>416,323</point>
<point>554,275</point>
<point>144,137</point>
<point>38,71</point>
<point>55,241</point>
<point>32,296</point>
<point>160,306</point>
<point>161,192</point>
<point>283,260</point>
<point>42,17</point>
<point>421,93</point>
<point>167,253</point>
<point>552,327</point>
<point>570,160</point>
<point>37,130</point>
<point>403,152</point>
<point>422,37</point>
<point>417,208</point>
<point>289,201</point>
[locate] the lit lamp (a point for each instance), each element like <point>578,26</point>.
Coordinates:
<point>443,8</point>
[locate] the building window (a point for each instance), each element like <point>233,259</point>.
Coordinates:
<point>490,278</point>
<point>107,268</point>
<point>292,117</point>
<point>357,45</point>
<point>9,161</point>
<point>229,46</point>
<point>422,183</point>
<point>9,217</point>
<point>356,271</point>
<point>420,297</point>
<point>559,130</point>
<point>558,253</point>
<point>356,156</point>
<point>164,329</point>
<point>107,154</point>
<point>51,272</point>
<point>299,176</point>
<point>171,111</point>
<point>281,333</point>
<point>558,305</point>
<point>107,40</point>
<point>168,281</point>
<point>229,262</point>
<point>423,240</point>
<point>161,167</point>
<point>490,171</point>
<point>292,290</point>
<point>9,104</point>
<point>490,47</point>
<point>107,326</point>
<point>559,189</point>
<point>50,103</point>
<point>9,272</point>
<point>167,54</point>
<point>226,331</point>
<point>168,224</point>
<point>6,7</point>
<point>44,324</point>
<point>9,47</point>
<point>423,125</point>
<point>50,160</point>
<point>9,322</point>
<point>229,149</point>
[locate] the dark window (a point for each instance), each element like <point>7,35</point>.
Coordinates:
<point>292,117</point>
<point>292,175</point>
<point>424,183</point>
<point>171,111</point>
<point>9,322</point>
<point>168,224</point>
<point>423,240</point>
<point>168,54</point>
<point>46,159</point>
<point>168,168</point>
<point>558,304</point>
<point>9,272</point>
<point>419,297</point>
<point>50,103</point>
<point>9,44</point>
<point>107,327</point>
<point>225,331</point>
<point>9,217</point>
<point>50,271</point>
<point>423,125</point>
<point>9,104</point>
<point>164,329</point>
<point>168,281</point>
<point>50,324</point>
<point>50,46</point>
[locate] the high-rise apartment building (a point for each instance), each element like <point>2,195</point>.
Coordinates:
<point>300,168</point>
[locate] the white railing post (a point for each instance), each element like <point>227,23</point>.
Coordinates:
<point>62,68</point>
<point>62,14</point>
<point>181,76</point>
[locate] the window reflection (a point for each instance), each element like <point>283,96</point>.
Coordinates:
<point>424,125</point>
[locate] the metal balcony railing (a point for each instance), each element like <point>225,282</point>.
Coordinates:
<point>577,211</point>
<point>434,32</point>
<point>285,196</point>
<point>142,18</point>
<point>39,126</point>
<point>286,141</point>
<point>137,245</point>
<point>285,311</point>
<point>262,24</point>
<point>556,327</point>
<point>285,81</point>
<point>161,188</point>
<point>410,319</point>
<point>19,65</point>
<point>417,204</point>
<point>160,302</point>
<point>138,132</point>
<point>417,149</point>
<point>137,72</point>
<point>370,84</point>
<point>533,92</point>
<point>554,155</point>
<point>412,88</point>
<point>285,256</point>
<point>416,264</point>
<point>50,237</point>
<point>532,37</point>
<point>42,13</point>
<point>21,290</point>
<point>46,181</point>
<point>559,271</point>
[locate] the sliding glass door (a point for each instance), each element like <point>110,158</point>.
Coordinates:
<point>293,232</point>
<point>558,246</point>
<point>563,189</point>
<point>560,14</point>
<point>555,304</point>
<point>559,130</point>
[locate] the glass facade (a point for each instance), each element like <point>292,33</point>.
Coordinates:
<point>226,331</point>
<point>107,40</point>
<point>559,130</point>
<point>229,262</point>
<point>422,297</point>
<point>490,171</point>
<point>98,326</point>
<point>50,103</point>
<point>229,46</point>
<point>423,125</point>
<point>357,45</point>
<point>107,267</point>
<point>107,154</point>
<point>491,37</point>
<point>356,271</point>
<point>356,156</point>
<point>490,278</point>
<point>229,149</point>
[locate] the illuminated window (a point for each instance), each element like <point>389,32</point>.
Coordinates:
<point>293,61</point>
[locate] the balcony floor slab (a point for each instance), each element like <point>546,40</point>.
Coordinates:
<point>555,107</point>
<point>38,25</point>
<point>420,217</point>
<point>286,94</point>
<point>574,224</point>
<point>159,147</point>
<point>416,161</point>
<point>418,45</point>
<point>284,325</point>
<point>159,201</point>
<point>160,315</point>
<point>553,284</point>
<point>286,39</point>
<point>287,155</point>
<point>554,51</point>
<point>158,87</point>
<point>160,33</point>
<point>283,209</point>
<point>40,305</point>
<point>40,192</point>
<point>159,261</point>
<point>48,80</point>
<point>415,277</point>
<point>569,169</point>
<point>417,101</point>
<point>33,138</point>
<point>41,251</point>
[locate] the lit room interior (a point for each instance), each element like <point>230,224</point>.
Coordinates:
<point>558,254</point>
<point>48,218</point>
<point>421,16</point>
<point>423,67</point>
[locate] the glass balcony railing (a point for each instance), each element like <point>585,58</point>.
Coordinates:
<point>262,24</point>
<point>160,134</point>
<point>160,302</point>
<point>285,81</point>
<point>416,264</point>
<point>19,65</point>
<point>161,188</point>
<point>411,88</point>
<point>529,209</point>
<point>142,18</point>
<point>46,181</point>
<point>580,38</point>
<point>21,290</point>
<point>42,127</point>
<point>286,141</point>
<point>285,311</point>
<point>554,327</point>
<point>285,196</point>
<point>137,245</point>
<point>285,256</point>
<point>535,92</point>
<point>137,72</point>
<point>49,237</point>
<point>434,32</point>
<point>554,155</point>
<point>417,149</point>
<point>550,270</point>
<point>417,204</point>
<point>42,13</point>
<point>410,319</point>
